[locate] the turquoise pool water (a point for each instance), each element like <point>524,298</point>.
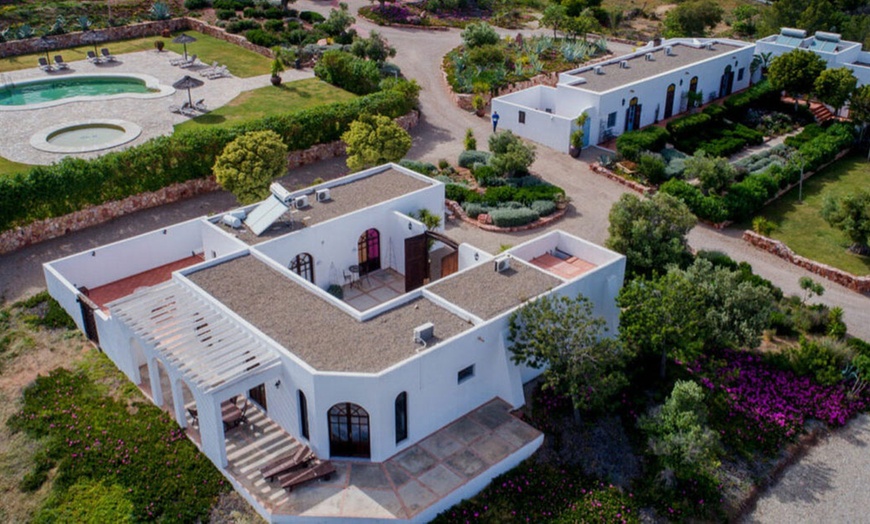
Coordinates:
<point>51,89</point>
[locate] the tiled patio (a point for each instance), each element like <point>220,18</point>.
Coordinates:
<point>375,288</point>
<point>568,268</point>
<point>121,288</point>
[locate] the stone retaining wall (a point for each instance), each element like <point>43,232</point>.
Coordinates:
<point>631,184</point>
<point>42,230</point>
<point>127,32</point>
<point>541,222</point>
<point>855,283</point>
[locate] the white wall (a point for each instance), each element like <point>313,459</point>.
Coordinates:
<point>467,254</point>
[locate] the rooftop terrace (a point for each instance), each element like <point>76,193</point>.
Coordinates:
<point>318,332</point>
<point>486,293</point>
<point>346,198</point>
<point>640,68</point>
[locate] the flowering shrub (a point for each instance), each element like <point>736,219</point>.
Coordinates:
<point>767,406</point>
<point>533,493</point>
<point>92,436</point>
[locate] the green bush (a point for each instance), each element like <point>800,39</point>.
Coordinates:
<point>196,4</point>
<point>500,194</point>
<point>460,193</point>
<point>483,174</point>
<point>238,26</point>
<point>761,93</point>
<point>273,13</point>
<point>543,207</point>
<point>88,501</point>
<point>261,38</point>
<point>808,133</point>
<point>348,72</point>
<point>311,17</point>
<point>477,35</point>
<point>688,126</point>
<point>715,112</point>
<point>818,359</point>
<point>468,158</point>
<point>509,217</point>
<point>632,143</point>
<point>473,209</point>
<point>225,14</point>
<point>72,184</point>
<point>275,26</point>
<point>652,167</point>
<point>424,168</point>
<point>236,5</point>
<point>253,12</point>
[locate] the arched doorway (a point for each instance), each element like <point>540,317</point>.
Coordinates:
<point>369,248</point>
<point>632,115</point>
<point>349,431</point>
<point>726,83</point>
<point>303,265</point>
<point>669,101</point>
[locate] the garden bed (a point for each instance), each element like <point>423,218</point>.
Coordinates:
<point>486,224</point>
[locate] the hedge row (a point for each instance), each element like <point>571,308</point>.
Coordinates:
<point>744,198</point>
<point>631,144</point>
<point>73,184</point>
<point>760,93</point>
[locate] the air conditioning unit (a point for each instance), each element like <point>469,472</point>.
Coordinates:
<point>669,50</point>
<point>623,64</point>
<point>650,57</point>
<point>424,333</point>
<point>599,70</point>
<point>280,193</point>
<point>232,221</point>
<point>323,195</point>
<point>502,264</point>
<point>301,202</point>
<point>708,45</point>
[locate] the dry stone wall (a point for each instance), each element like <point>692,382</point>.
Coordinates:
<point>855,283</point>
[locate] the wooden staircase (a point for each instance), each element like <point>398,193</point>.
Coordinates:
<point>821,113</point>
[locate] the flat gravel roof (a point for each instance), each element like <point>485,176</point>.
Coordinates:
<point>318,332</point>
<point>640,68</point>
<point>486,293</point>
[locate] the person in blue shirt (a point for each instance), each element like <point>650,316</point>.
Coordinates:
<point>494,120</point>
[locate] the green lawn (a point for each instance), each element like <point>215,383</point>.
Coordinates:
<point>241,62</point>
<point>8,167</point>
<point>801,227</point>
<point>268,100</point>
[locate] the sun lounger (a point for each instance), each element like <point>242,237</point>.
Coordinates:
<point>200,105</point>
<point>321,470</point>
<point>58,61</point>
<point>210,69</point>
<point>93,58</point>
<point>189,63</point>
<point>107,55</point>
<point>288,463</point>
<point>219,72</point>
<point>44,65</point>
<point>175,109</point>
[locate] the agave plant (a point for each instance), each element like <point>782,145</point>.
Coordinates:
<point>601,45</point>
<point>25,31</point>
<point>160,11</point>
<point>5,34</point>
<point>536,65</point>
<point>519,70</point>
<point>543,44</point>
<point>84,23</point>
<point>58,27</point>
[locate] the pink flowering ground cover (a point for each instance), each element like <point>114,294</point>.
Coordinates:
<point>767,406</point>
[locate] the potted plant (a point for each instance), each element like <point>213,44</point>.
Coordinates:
<point>277,66</point>
<point>576,145</point>
<point>562,200</point>
<point>159,45</point>
<point>479,105</point>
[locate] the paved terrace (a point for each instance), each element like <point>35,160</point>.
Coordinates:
<point>640,68</point>
<point>319,333</point>
<point>486,293</point>
<point>344,199</point>
<point>151,114</point>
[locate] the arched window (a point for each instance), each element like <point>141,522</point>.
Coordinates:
<point>303,415</point>
<point>401,417</point>
<point>693,84</point>
<point>632,115</point>
<point>348,431</point>
<point>303,265</point>
<point>369,248</point>
<point>726,83</point>
<point>669,101</point>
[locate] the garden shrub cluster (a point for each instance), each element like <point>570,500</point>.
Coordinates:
<point>759,162</point>
<point>344,70</point>
<point>710,131</point>
<point>72,184</point>
<point>631,144</point>
<point>540,493</point>
<point>511,202</point>
<point>89,435</point>
<point>761,93</point>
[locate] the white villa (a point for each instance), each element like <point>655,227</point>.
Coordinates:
<point>653,83</point>
<point>406,383</point>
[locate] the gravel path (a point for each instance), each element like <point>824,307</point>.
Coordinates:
<point>439,135</point>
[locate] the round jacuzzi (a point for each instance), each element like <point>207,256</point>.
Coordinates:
<point>86,136</point>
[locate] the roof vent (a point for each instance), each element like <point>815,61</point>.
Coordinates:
<point>323,195</point>
<point>424,333</point>
<point>650,57</point>
<point>301,202</point>
<point>280,193</point>
<point>623,64</point>
<point>232,221</point>
<point>599,70</point>
<point>502,264</point>
<point>669,50</point>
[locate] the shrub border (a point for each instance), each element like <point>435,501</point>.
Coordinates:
<point>541,222</point>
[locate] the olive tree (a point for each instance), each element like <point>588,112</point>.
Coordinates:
<point>561,333</point>
<point>375,139</point>
<point>249,163</point>
<point>795,71</point>
<point>851,215</point>
<point>835,86</point>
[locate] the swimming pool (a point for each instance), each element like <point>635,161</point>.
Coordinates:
<point>46,92</point>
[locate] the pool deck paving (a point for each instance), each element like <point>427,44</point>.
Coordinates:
<point>152,115</point>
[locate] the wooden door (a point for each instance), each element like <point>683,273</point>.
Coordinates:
<point>450,264</point>
<point>416,262</point>
<point>88,307</point>
<point>349,431</point>
<point>258,395</point>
